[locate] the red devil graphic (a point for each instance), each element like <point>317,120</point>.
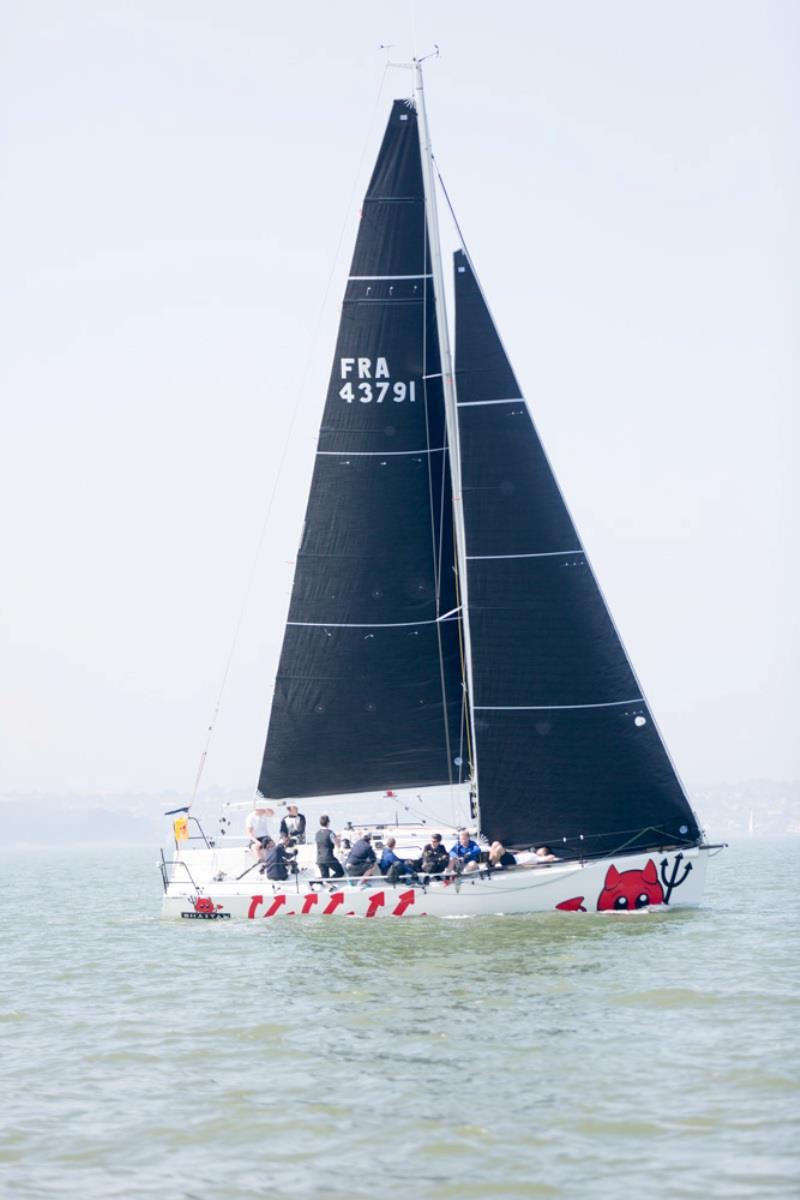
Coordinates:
<point>624,891</point>
<point>627,890</point>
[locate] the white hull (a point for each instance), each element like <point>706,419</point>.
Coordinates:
<point>655,880</point>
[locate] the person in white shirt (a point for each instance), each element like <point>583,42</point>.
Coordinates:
<point>256,827</point>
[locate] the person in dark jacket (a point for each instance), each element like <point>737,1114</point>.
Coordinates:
<point>294,824</point>
<point>327,841</point>
<point>434,859</point>
<point>361,860</point>
<point>276,856</point>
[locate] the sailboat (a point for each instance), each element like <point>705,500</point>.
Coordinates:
<point>448,649</point>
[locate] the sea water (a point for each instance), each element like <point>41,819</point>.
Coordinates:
<point>572,1055</point>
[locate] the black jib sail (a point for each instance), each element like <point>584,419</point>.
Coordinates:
<point>368,693</point>
<point>567,751</point>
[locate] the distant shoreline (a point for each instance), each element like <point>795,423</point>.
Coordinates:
<point>727,811</point>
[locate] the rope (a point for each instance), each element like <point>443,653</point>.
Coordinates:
<point>463,665</point>
<point>282,461</point>
<point>465,724</point>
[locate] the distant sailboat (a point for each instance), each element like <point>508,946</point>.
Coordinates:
<point>446,633</point>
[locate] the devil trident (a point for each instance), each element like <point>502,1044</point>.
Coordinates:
<point>673,881</point>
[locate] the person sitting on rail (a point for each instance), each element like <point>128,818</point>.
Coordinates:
<point>294,824</point>
<point>391,865</point>
<point>465,855</point>
<point>500,857</point>
<point>256,827</point>
<point>434,859</point>
<point>361,860</point>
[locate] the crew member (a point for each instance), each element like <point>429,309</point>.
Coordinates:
<point>361,860</point>
<point>434,859</point>
<point>256,827</point>
<point>391,865</point>
<point>500,857</point>
<point>294,824</point>
<point>276,856</point>
<point>327,841</point>
<point>465,855</point>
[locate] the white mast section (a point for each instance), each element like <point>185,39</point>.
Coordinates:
<point>450,404</point>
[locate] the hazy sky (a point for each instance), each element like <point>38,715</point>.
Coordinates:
<point>176,177</point>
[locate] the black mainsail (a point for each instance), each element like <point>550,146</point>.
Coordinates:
<point>368,693</point>
<point>567,751</point>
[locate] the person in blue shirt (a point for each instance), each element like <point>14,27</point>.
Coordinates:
<point>391,865</point>
<point>465,855</point>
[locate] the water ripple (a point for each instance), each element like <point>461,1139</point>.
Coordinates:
<point>517,1057</point>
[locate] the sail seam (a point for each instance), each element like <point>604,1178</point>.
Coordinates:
<point>362,625</point>
<point>475,403</point>
<point>378,453</point>
<point>542,554</point>
<point>552,707</point>
<point>378,278</point>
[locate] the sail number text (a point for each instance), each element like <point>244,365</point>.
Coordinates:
<point>368,380</point>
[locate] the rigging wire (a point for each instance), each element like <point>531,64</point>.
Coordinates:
<point>436,551</point>
<point>284,452</point>
<point>426,817</point>
<point>439,555</point>
<point>452,212</point>
<point>465,724</point>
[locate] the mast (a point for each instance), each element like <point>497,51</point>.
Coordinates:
<point>450,401</point>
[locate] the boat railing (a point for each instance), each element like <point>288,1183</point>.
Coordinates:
<point>200,836</point>
<point>582,847</point>
<point>168,867</point>
<point>353,826</point>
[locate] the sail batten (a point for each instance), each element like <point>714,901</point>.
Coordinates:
<point>369,625</point>
<point>483,403</point>
<point>535,554</point>
<point>553,707</point>
<point>382,453</point>
<point>383,278</point>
